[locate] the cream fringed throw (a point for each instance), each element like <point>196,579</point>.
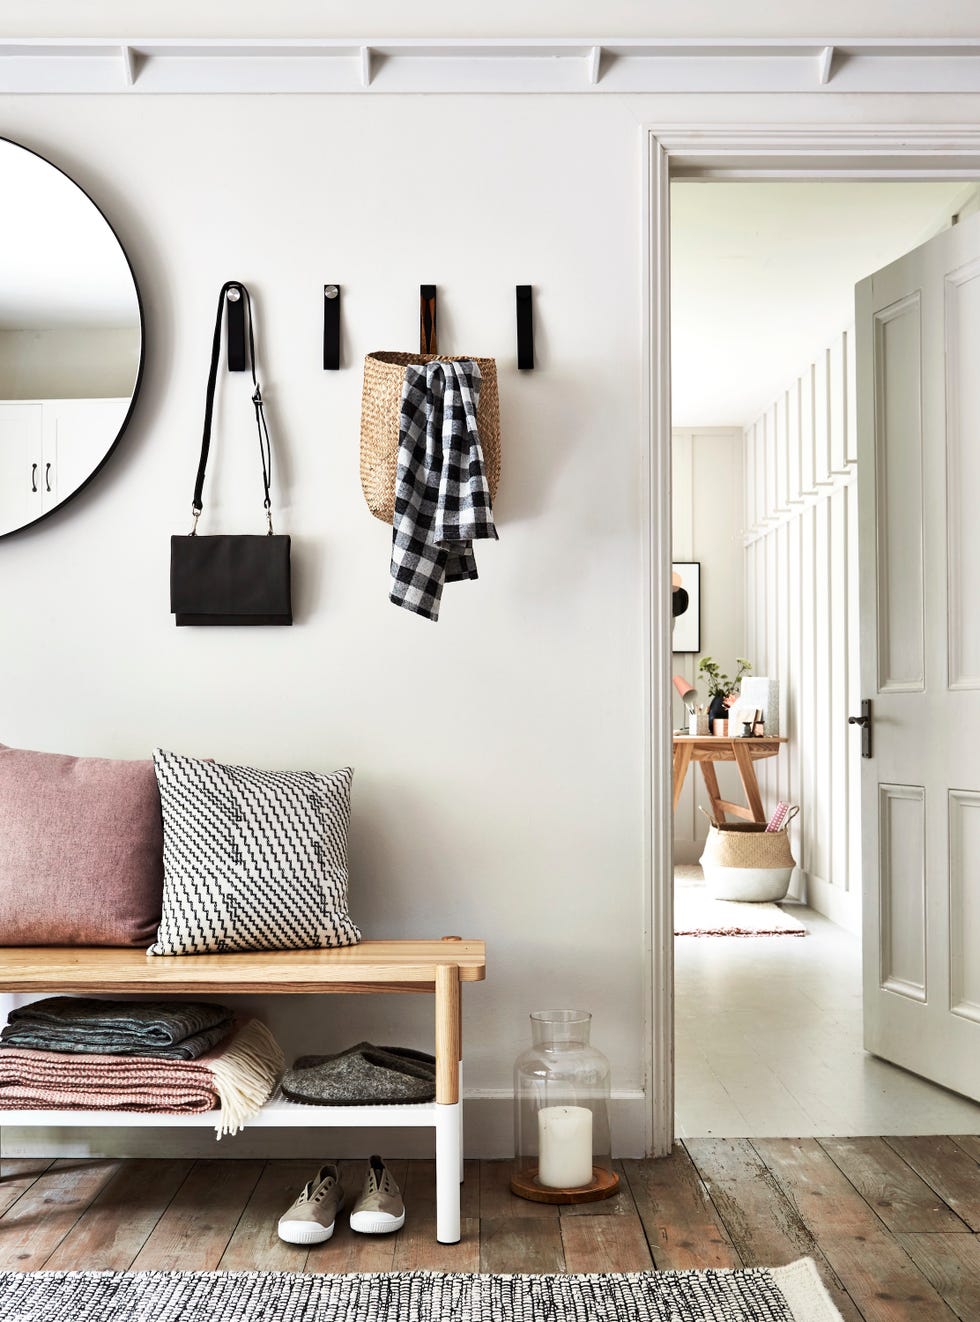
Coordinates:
<point>238,1076</point>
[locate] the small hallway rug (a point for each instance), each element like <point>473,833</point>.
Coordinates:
<point>760,1294</point>
<point>696,913</point>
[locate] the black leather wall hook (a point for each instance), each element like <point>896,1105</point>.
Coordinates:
<point>331,328</point>
<point>235,322</point>
<point>525,328</point>
<point>428,338</point>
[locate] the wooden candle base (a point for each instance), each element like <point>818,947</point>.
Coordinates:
<point>604,1185</point>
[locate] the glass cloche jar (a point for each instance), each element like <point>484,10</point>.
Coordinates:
<point>561,1113</point>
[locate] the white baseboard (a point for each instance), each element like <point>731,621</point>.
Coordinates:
<point>841,907</point>
<point>488,1130</point>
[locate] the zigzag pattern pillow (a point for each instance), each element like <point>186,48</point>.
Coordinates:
<point>252,860</point>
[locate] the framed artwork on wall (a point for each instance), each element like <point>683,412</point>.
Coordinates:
<point>687,605</point>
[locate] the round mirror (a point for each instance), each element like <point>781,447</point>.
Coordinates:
<point>71,338</point>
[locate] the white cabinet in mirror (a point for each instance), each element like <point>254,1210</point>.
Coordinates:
<point>71,338</point>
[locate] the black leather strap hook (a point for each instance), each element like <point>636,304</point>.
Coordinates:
<point>428,337</point>
<point>236,329</point>
<point>331,328</point>
<point>525,328</point>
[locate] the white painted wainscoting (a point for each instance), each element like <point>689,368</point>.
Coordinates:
<point>801,576</point>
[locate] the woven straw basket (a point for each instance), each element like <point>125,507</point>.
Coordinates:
<point>744,861</point>
<point>384,377</point>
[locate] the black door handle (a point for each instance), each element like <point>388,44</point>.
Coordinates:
<point>33,477</point>
<point>864,721</point>
<point>47,477</point>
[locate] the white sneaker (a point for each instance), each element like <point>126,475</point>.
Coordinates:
<point>312,1217</point>
<point>379,1208</point>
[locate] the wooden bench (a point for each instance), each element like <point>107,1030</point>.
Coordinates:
<point>440,967</point>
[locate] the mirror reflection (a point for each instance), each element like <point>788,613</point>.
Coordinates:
<point>70,337</point>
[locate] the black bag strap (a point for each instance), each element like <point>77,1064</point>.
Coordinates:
<point>265,446</point>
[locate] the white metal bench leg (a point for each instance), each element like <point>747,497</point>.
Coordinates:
<point>449,1103</point>
<point>449,1133</point>
<point>462,1175</point>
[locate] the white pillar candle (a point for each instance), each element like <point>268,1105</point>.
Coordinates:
<point>565,1146</point>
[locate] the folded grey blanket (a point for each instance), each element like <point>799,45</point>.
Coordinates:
<point>163,1030</point>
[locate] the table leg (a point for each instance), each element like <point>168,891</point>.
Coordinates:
<point>746,771</point>
<point>682,760</point>
<point>449,1105</point>
<point>714,794</point>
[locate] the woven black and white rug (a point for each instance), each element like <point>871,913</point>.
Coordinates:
<point>781,1294</point>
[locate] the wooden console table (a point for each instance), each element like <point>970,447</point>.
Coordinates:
<point>708,749</point>
<point>439,967</point>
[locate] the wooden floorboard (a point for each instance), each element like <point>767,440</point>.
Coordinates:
<point>604,1244</point>
<point>682,1225</point>
<point>890,1186</point>
<point>17,1174</point>
<point>765,1228</point>
<point>116,1224</point>
<point>255,1244</point>
<point>949,1169</point>
<point>194,1231</point>
<point>876,1272</point>
<point>887,1221</point>
<point>42,1216</point>
<point>951,1264</point>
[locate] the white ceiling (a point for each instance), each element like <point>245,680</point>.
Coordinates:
<point>763,275</point>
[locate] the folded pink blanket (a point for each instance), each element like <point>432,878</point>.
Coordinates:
<point>237,1076</point>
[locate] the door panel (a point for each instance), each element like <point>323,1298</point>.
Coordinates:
<point>963,468</point>
<point>898,460</point>
<point>902,845</point>
<point>918,402</point>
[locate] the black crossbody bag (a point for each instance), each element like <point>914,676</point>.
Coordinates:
<point>231,579</point>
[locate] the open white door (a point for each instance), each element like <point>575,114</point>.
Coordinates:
<point>918,376</point>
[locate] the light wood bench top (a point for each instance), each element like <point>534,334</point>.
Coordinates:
<point>396,966</point>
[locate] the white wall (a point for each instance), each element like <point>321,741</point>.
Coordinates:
<point>498,753</point>
<point>707,526</point>
<point>90,362</point>
<point>529,834</point>
<point>801,577</point>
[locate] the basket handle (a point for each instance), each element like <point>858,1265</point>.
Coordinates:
<point>793,812</point>
<point>708,815</point>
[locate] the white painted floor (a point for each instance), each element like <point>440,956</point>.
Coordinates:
<point>769,1044</point>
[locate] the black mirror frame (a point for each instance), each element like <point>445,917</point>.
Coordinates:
<point>12,532</point>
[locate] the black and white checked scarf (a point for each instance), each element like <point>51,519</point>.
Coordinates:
<point>442,498</point>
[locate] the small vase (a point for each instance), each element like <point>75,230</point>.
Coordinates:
<point>717,711</point>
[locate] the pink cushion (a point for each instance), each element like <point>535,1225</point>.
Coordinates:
<point>81,850</point>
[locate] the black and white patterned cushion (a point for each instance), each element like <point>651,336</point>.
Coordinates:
<point>253,860</point>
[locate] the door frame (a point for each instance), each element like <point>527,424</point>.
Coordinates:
<point>721,152</point>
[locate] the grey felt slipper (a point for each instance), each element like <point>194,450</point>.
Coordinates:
<point>418,1063</point>
<point>357,1078</point>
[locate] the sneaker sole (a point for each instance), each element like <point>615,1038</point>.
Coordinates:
<point>375,1223</point>
<point>305,1232</point>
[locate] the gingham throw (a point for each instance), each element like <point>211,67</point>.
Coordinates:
<point>442,497</point>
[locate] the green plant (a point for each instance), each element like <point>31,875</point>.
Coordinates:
<point>719,684</point>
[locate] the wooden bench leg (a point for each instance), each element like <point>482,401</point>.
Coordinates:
<point>449,1105</point>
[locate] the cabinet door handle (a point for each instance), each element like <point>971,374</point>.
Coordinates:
<point>33,477</point>
<point>47,477</point>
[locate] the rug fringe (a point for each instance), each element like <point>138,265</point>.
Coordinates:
<point>808,1298</point>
